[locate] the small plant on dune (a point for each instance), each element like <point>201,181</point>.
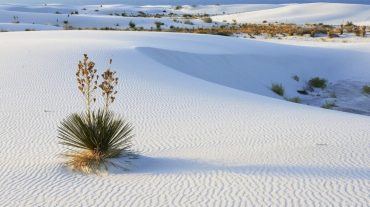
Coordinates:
<point>295,100</point>
<point>158,25</point>
<point>366,89</point>
<point>318,82</point>
<point>296,78</point>
<point>16,20</point>
<point>329,105</point>
<point>95,137</point>
<point>341,29</point>
<point>333,94</point>
<point>278,89</point>
<point>331,34</point>
<point>207,20</point>
<point>361,31</point>
<point>188,22</point>
<point>132,25</point>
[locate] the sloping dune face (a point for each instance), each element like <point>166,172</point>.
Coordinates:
<point>203,142</point>
<point>305,13</point>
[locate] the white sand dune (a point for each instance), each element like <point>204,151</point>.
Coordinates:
<point>305,13</point>
<point>203,141</point>
<point>25,26</point>
<point>99,16</point>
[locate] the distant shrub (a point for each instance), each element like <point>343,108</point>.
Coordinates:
<point>158,25</point>
<point>318,82</point>
<point>295,100</point>
<point>178,7</point>
<point>28,30</point>
<point>348,23</point>
<point>360,31</point>
<point>132,25</point>
<point>141,14</point>
<point>207,19</point>
<point>296,78</point>
<point>188,22</point>
<point>16,20</point>
<point>332,34</point>
<point>366,89</point>
<point>333,94</point>
<point>224,33</point>
<point>188,16</point>
<point>278,89</point>
<point>329,105</point>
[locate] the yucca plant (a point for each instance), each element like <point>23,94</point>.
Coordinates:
<point>93,138</point>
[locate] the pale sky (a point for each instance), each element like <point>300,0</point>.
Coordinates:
<point>175,2</point>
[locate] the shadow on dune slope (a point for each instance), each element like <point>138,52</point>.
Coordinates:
<point>151,165</point>
<point>254,72</point>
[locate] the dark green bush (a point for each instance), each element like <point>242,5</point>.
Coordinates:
<point>131,24</point>
<point>278,89</point>
<point>366,89</point>
<point>318,82</point>
<point>296,78</point>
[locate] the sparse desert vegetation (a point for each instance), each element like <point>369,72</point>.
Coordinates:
<point>95,136</point>
<point>207,19</point>
<point>366,89</point>
<point>329,105</point>
<point>295,100</point>
<point>317,82</point>
<point>296,78</point>
<point>278,89</point>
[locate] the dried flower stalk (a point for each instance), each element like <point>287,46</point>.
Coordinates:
<point>87,81</point>
<point>107,86</point>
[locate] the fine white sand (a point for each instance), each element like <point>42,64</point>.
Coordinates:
<point>327,13</point>
<point>204,138</point>
<point>53,16</point>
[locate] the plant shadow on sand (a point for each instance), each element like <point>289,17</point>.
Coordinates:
<point>158,166</point>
